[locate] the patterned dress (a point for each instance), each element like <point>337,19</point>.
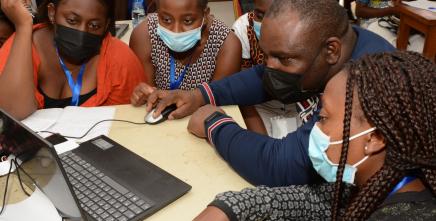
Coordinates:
<point>297,202</point>
<point>313,202</point>
<point>199,71</point>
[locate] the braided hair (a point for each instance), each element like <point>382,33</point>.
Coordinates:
<point>397,95</point>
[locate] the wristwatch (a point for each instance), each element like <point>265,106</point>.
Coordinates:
<point>213,117</point>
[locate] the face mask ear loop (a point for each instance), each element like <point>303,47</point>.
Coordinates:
<point>354,136</point>
<point>361,161</point>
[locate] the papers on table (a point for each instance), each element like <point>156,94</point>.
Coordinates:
<point>71,122</point>
<point>36,207</point>
<point>422,4</point>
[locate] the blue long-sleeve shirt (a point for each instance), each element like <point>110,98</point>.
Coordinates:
<point>263,160</point>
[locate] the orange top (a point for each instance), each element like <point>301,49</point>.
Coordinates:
<point>119,71</point>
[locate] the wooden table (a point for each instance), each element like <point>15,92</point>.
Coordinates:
<point>420,20</point>
<point>171,147</point>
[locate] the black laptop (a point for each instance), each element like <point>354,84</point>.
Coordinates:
<point>100,180</point>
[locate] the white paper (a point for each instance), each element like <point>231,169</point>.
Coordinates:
<point>66,146</point>
<point>43,119</point>
<point>71,121</point>
<point>422,4</point>
<point>76,121</point>
<point>36,207</point>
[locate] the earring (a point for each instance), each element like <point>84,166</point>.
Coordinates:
<point>366,148</point>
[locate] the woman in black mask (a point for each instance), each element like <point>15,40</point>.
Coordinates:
<point>68,60</point>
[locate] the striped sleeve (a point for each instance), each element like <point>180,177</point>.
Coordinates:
<point>214,124</point>
<point>207,93</point>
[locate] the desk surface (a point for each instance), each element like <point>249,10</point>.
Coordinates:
<point>419,19</point>
<point>424,16</point>
<point>171,147</point>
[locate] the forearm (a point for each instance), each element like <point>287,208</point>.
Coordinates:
<point>295,202</point>
<point>363,11</point>
<point>260,159</point>
<point>243,88</point>
<point>17,80</point>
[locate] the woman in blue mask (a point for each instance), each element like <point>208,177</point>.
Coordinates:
<point>70,59</point>
<point>374,144</point>
<point>182,46</point>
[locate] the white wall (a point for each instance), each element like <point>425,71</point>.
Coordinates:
<point>223,11</point>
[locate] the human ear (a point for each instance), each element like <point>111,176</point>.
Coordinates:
<point>206,11</point>
<point>333,46</point>
<point>51,10</point>
<point>376,143</point>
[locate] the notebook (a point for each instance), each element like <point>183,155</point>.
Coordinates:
<point>100,180</point>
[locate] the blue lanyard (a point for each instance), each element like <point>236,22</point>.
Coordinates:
<point>406,180</point>
<point>74,86</point>
<point>175,83</point>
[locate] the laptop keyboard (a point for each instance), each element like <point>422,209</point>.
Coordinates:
<point>99,195</point>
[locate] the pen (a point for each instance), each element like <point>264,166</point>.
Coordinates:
<point>431,8</point>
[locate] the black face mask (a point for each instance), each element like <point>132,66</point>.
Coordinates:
<point>76,46</point>
<point>285,87</point>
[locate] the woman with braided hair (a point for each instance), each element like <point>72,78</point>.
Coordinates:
<point>384,167</point>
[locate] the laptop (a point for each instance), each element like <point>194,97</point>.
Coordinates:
<point>100,180</point>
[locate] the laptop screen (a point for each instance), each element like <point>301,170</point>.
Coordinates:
<point>40,167</point>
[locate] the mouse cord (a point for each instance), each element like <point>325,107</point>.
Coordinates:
<point>6,188</point>
<point>90,129</point>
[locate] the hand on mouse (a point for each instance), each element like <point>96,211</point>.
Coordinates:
<point>140,94</point>
<point>187,102</point>
<point>196,123</point>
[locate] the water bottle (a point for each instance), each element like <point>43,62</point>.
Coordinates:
<point>138,12</point>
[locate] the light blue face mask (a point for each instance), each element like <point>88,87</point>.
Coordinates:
<point>180,42</point>
<point>318,145</point>
<point>256,26</point>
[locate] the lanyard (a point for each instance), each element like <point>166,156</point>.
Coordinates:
<point>175,83</point>
<point>74,86</point>
<point>406,180</point>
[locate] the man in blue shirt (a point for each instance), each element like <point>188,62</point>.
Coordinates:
<point>305,43</point>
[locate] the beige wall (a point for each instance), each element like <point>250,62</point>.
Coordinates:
<point>223,10</point>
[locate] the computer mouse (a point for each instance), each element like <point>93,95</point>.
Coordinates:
<point>149,119</point>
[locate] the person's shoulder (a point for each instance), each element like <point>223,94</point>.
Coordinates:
<point>369,42</point>
<point>219,27</point>
<point>117,52</point>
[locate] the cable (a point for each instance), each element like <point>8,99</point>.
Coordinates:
<point>6,188</point>
<point>90,129</point>
<point>18,166</point>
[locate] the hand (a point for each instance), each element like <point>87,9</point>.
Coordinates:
<point>17,13</point>
<point>212,213</point>
<point>141,94</point>
<point>187,102</point>
<point>196,123</point>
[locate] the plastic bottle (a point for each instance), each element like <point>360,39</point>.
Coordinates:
<point>138,12</point>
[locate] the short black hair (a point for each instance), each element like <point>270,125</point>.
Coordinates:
<point>201,3</point>
<point>327,17</point>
